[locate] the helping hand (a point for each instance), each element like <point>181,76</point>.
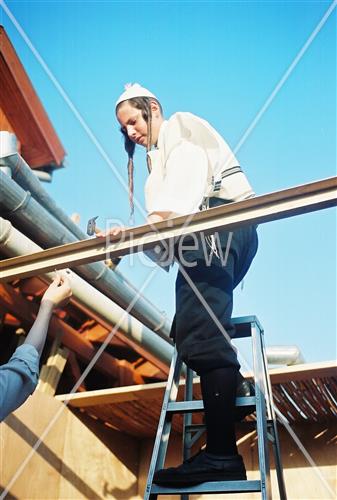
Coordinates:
<point>59,292</point>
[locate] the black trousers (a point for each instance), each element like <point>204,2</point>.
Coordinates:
<point>200,343</point>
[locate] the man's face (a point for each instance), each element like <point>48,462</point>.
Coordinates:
<point>133,123</point>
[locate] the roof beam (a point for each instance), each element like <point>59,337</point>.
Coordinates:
<point>278,205</point>
<point>26,310</point>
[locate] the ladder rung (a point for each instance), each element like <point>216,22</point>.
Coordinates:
<point>198,405</point>
<point>194,427</point>
<point>251,424</point>
<point>211,487</point>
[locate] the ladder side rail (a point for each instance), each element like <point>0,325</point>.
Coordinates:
<point>165,423</point>
<point>269,390</point>
<point>261,423</point>
<point>187,421</point>
<point>273,425</point>
<point>187,416</point>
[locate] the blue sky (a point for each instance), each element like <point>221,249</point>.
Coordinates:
<point>220,60</point>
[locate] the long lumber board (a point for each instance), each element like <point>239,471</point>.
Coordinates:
<point>261,209</point>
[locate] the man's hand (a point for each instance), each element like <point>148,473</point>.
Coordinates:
<point>160,216</point>
<point>113,231</point>
<point>59,292</point>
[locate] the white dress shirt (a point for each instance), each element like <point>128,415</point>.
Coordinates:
<point>190,156</point>
<point>182,188</point>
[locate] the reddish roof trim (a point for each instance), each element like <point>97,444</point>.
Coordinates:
<point>40,144</point>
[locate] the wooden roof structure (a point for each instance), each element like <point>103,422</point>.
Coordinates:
<point>22,112</point>
<point>303,393</point>
<point>75,334</point>
<point>123,363</point>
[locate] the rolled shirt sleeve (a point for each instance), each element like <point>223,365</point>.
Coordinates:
<point>18,378</point>
<point>183,186</point>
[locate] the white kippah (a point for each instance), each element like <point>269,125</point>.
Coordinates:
<point>134,90</point>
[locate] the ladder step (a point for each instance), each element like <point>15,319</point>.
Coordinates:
<point>194,427</point>
<point>198,405</point>
<point>210,487</point>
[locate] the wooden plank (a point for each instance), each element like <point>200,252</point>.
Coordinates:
<point>286,203</point>
<point>75,372</point>
<point>155,390</point>
<point>53,371</point>
<point>115,395</point>
<point>302,372</point>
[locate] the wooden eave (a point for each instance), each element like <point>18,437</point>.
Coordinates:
<point>135,410</point>
<point>40,145</point>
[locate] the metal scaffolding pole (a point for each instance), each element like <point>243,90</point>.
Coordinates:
<point>281,204</point>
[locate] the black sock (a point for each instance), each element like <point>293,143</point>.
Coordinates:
<point>219,392</point>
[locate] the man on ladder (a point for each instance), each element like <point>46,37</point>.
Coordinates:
<point>191,168</point>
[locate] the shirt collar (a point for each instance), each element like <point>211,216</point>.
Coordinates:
<point>161,134</point>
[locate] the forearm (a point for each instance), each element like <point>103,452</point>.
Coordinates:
<point>38,333</point>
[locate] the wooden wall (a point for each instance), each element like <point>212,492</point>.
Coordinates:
<point>78,458</point>
<point>82,458</point>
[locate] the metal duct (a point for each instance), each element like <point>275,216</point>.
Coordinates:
<point>284,355</point>
<point>36,222</point>
<point>42,175</point>
<point>14,243</point>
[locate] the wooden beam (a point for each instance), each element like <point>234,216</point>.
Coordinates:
<point>33,286</point>
<point>75,371</point>
<point>51,372</point>
<point>128,342</point>
<point>25,310</point>
<point>306,371</point>
<point>116,395</point>
<point>95,333</point>
<point>9,319</point>
<point>146,369</point>
<point>38,285</point>
<point>303,371</point>
<point>281,204</point>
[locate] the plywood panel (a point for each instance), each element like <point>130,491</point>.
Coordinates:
<point>19,433</point>
<point>102,474</point>
<point>77,459</point>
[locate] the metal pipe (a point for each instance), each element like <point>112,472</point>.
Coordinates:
<point>36,222</point>
<point>42,175</point>
<point>24,176</point>
<point>284,355</point>
<point>8,143</point>
<point>8,153</point>
<point>13,243</point>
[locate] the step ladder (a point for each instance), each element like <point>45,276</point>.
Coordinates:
<point>266,426</point>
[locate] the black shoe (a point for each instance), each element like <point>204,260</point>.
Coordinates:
<point>200,468</point>
<point>244,389</point>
